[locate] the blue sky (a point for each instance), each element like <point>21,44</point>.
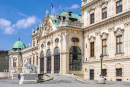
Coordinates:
<point>19,17</point>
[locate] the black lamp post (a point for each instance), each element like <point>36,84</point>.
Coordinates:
<point>101,57</point>
<point>101,79</point>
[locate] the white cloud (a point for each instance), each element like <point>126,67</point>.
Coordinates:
<point>75,6</point>
<point>5,25</point>
<point>21,14</point>
<point>25,23</point>
<point>4,22</point>
<point>7,28</point>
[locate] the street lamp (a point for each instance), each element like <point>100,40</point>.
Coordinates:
<point>101,78</point>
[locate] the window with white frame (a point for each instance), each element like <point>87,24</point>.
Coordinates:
<point>104,47</point>
<point>119,44</point>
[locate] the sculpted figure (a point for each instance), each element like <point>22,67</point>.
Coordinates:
<point>30,67</point>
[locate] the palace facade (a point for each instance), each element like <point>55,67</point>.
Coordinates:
<point>68,43</point>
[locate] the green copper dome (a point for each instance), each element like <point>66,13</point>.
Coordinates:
<point>19,45</point>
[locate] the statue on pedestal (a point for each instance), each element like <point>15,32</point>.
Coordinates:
<point>30,67</point>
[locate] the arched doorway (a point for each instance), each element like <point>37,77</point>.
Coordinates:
<point>75,59</point>
<point>48,61</point>
<point>42,62</point>
<point>56,60</point>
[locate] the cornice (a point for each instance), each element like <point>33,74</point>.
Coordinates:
<point>109,20</point>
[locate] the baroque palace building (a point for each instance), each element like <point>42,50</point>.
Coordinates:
<point>68,43</point>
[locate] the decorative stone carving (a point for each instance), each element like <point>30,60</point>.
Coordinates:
<point>67,38</point>
<point>92,39</point>
<point>119,31</point>
<point>92,10</point>
<point>104,66</point>
<point>104,3</point>
<point>61,37</point>
<point>91,67</point>
<point>127,24</point>
<point>47,13</point>
<point>104,35</point>
<point>111,28</point>
<point>97,33</point>
<point>118,65</point>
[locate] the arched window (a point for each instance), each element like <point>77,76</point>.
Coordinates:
<point>75,59</point>
<point>14,63</point>
<point>49,43</point>
<point>75,40</point>
<point>57,40</point>
<point>57,51</point>
<point>48,61</point>
<point>56,60</point>
<point>41,62</point>
<point>48,52</point>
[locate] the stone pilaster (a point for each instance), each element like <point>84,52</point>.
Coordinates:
<point>52,64</point>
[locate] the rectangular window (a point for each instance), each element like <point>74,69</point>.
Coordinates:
<point>14,63</point>
<point>92,49</point>
<point>1,58</point>
<point>119,6</point>
<point>4,58</point>
<point>118,71</point>
<point>91,18</point>
<point>1,67</point>
<point>4,67</point>
<point>119,44</point>
<point>104,47</point>
<point>1,63</point>
<point>104,72</point>
<point>104,13</point>
<point>5,63</point>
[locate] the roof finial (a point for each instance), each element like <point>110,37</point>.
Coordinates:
<point>19,38</point>
<point>63,9</point>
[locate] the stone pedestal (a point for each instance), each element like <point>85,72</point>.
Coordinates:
<point>101,80</point>
<point>15,76</point>
<point>29,78</point>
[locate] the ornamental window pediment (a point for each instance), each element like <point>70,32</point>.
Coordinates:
<point>92,39</point>
<point>92,10</point>
<point>104,66</point>
<point>104,3</point>
<point>91,67</point>
<point>75,40</point>
<point>119,31</point>
<point>104,35</point>
<point>118,65</point>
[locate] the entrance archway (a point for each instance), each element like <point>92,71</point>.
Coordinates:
<point>75,59</point>
<point>48,61</point>
<point>42,62</point>
<point>56,60</point>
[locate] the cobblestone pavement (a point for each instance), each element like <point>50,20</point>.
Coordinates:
<point>63,81</point>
